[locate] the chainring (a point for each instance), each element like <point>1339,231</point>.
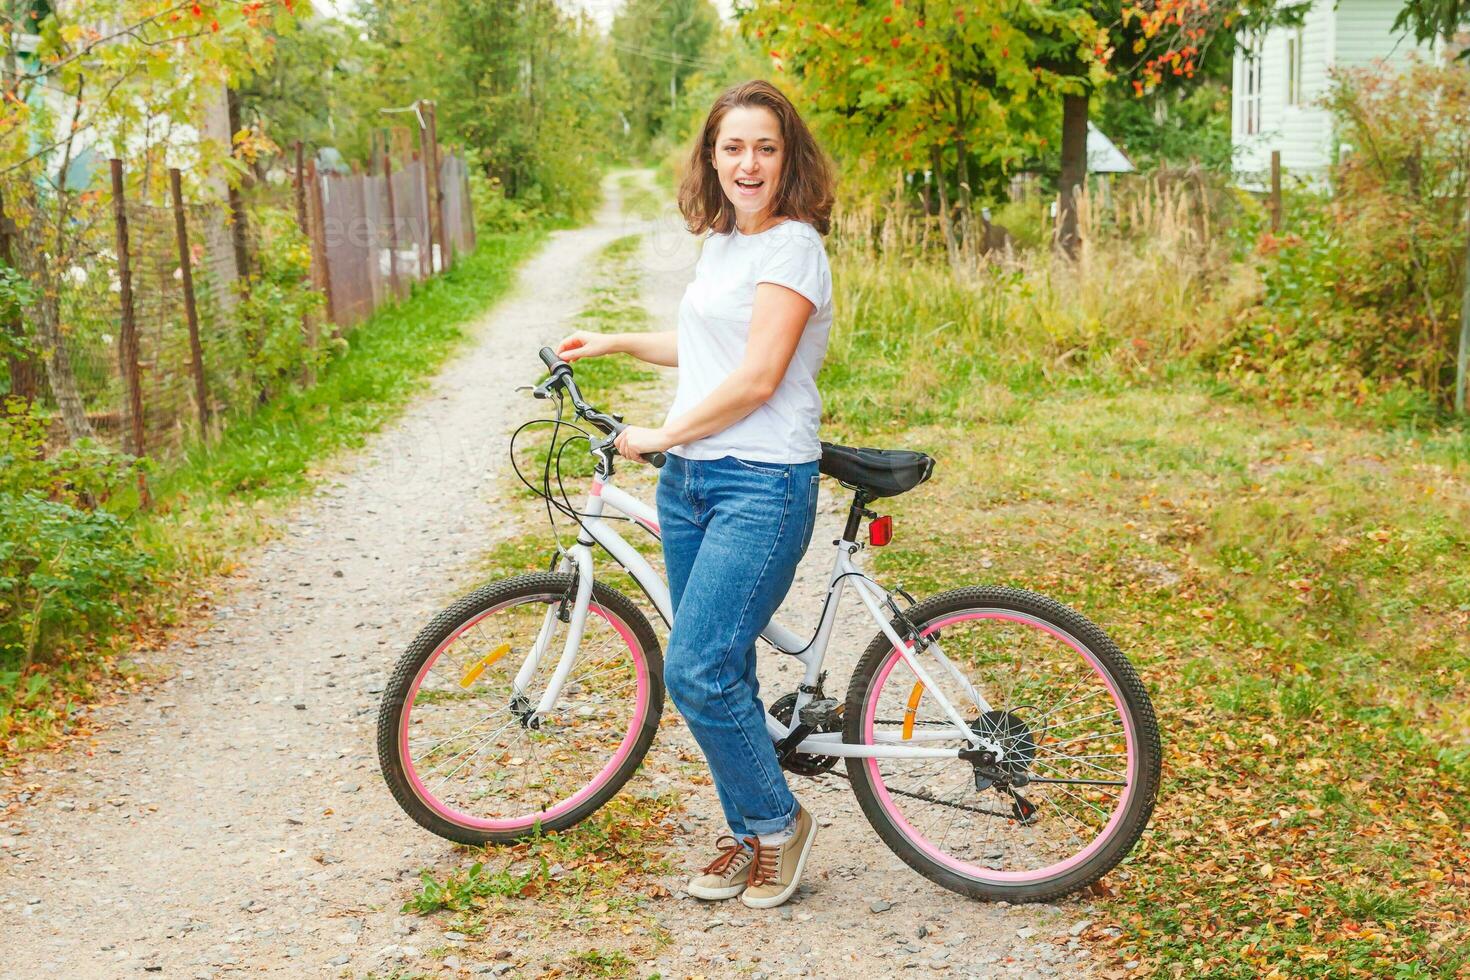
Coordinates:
<point>801,763</point>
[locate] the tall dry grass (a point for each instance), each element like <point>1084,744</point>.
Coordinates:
<point>1153,283</point>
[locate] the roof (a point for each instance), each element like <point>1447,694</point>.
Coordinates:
<point>1103,155</point>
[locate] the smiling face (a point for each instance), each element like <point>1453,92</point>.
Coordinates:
<point>747,157</point>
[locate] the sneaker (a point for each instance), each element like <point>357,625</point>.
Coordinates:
<point>775,870</point>
<point>726,875</point>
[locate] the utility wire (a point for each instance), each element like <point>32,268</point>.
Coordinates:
<point>664,56</point>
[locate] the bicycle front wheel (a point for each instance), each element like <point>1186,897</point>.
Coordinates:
<point>463,751</point>
<point>1066,782</point>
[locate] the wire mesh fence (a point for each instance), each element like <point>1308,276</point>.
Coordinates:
<point>196,339</point>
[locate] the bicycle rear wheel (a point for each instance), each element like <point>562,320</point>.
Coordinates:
<point>462,752</point>
<point>1076,757</point>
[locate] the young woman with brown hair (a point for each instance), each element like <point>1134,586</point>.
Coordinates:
<point>737,497</point>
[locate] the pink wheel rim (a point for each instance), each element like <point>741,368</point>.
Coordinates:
<point>630,738</point>
<point>896,815</point>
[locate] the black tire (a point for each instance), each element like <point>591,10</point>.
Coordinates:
<point>1136,703</point>
<point>443,626</point>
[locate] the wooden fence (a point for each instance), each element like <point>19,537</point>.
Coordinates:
<point>149,308</point>
<point>377,232</point>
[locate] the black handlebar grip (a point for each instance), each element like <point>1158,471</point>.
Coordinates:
<point>549,358</point>
<point>657,459</point>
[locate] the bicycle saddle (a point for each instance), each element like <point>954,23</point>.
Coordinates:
<point>878,472</point>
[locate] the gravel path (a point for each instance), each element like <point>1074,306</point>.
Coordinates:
<point>232,818</point>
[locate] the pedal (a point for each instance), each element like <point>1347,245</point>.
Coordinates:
<point>819,713</point>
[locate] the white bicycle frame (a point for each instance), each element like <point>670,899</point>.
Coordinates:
<point>844,572</point>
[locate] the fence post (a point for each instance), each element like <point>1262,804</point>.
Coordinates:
<point>300,189</point>
<point>363,231</point>
<point>1275,191</point>
<point>425,254</point>
<point>24,376</point>
<point>467,203</point>
<point>320,264</point>
<point>191,311</point>
<point>392,223</point>
<point>127,347</point>
<point>1462,360</point>
<point>436,192</point>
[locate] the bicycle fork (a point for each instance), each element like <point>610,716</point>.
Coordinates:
<point>579,557</point>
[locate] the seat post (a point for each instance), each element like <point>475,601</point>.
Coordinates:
<point>855,515</point>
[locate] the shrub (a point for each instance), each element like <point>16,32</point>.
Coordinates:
<point>1361,292</point>
<point>16,293</point>
<point>1400,212</point>
<point>82,474</point>
<point>494,212</point>
<point>61,569</point>
<point>62,563</point>
<point>267,336</point>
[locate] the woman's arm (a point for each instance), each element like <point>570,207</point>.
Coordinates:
<point>777,320</point>
<point>661,347</point>
<point>657,347</point>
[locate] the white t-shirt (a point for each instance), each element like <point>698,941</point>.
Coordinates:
<point>714,324</point>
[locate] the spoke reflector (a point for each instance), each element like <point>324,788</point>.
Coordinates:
<point>476,669</point>
<point>913,709</point>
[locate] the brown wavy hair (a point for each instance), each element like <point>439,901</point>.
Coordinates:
<point>805,188</point>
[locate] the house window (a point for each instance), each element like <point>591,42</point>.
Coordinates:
<point>1294,67</point>
<point>1250,106</point>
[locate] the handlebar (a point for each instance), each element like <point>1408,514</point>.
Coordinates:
<point>561,376</point>
<point>552,362</point>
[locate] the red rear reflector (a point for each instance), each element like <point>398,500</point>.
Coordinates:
<point>880,531</point>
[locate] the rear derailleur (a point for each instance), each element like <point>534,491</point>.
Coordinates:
<point>1010,771</point>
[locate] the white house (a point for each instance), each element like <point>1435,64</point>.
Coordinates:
<point>1280,74</point>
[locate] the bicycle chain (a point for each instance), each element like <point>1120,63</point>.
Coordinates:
<point>928,799</point>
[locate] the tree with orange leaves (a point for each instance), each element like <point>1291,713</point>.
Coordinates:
<point>1148,44</point>
<point>935,83</point>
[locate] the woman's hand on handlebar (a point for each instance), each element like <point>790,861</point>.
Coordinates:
<point>584,343</point>
<point>635,440</point>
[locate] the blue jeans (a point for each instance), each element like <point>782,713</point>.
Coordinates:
<point>733,532</point>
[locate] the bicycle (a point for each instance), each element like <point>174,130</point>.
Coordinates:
<point>1028,782</point>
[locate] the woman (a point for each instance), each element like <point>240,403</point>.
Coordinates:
<point>737,497</point>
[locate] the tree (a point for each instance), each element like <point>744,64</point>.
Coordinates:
<point>1441,20</point>
<point>111,76</point>
<point>1149,46</point>
<point>901,87</point>
<point>310,90</point>
<point>531,90</point>
<point>659,44</point>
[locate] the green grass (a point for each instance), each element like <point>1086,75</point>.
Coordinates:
<point>638,199</point>
<point>595,868</point>
<point>1293,585</point>
<point>215,500</point>
<point>271,453</point>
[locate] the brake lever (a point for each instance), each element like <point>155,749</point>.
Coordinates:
<point>655,459</point>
